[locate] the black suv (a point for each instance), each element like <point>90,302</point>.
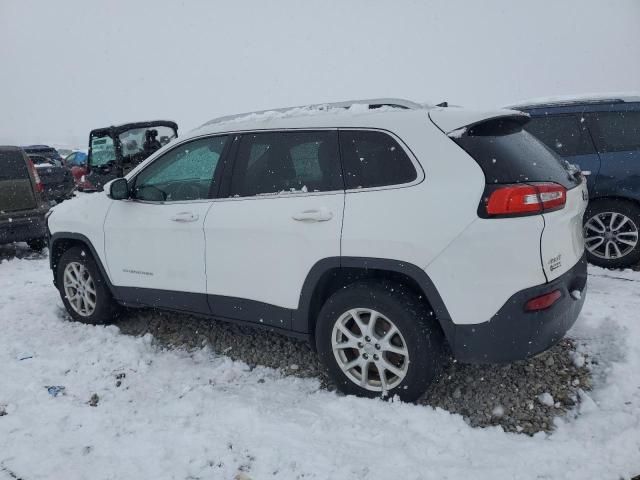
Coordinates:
<point>22,210</point>
<point>602,136</point>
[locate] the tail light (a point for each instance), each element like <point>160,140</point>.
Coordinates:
<point>36,177</point>
<point>525,199</point>
<point>84,184</point>
<point>543,301</point>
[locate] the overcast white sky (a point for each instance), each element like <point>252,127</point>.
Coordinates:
<point>68,66</point>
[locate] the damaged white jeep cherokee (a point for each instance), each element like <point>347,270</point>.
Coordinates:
<point>389,234</point>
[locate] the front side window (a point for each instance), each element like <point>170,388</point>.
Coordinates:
<point>374,159</point>
<point>279,162</point>
<point>565,135</point>
<point>183,173</point>
<point>615,131</point>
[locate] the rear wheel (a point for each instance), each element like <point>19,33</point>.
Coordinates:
<point>377,339</point>
<point>611,233</point>
<point>84,291</point>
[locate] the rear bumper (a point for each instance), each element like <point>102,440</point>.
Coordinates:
<point>515,334</point>
<point>22,229</point>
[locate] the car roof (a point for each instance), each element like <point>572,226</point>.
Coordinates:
<point>117,129</point>
<point>353,113</point>
<point>572,100</point>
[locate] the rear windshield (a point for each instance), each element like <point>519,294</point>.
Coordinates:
<point>508,154</point>
<point>12,165</point>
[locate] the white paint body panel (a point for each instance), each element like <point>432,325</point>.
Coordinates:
<point>84,214</point>
<point>562,242</point>
<point>145,248</point>
<point>257,251</point>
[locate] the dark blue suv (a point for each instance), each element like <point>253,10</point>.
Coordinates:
<point>602,136</point>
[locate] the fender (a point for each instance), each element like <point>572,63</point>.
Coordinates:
<point>302,320</point>
<point>78,238</point>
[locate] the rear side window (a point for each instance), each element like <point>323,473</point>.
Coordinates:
<point>12,165</point>
<point>276,162</point>
<point>508,154</point>
<point>565,134</point>
<point>374,159</point>
<point>615,131</point>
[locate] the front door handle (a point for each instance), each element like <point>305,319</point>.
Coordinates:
<point>316,215</point>
<point>185,217</point>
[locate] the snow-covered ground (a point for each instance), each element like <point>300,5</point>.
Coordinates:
<point>202,416</point>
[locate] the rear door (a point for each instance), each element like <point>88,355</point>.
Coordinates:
<point>16,187</point>
<point>281,215</point>
<point>617,137</point>
<point>568,136</point>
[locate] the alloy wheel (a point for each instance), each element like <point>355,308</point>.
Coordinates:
<point>610,235</point>
<point>79,289</point>
<point>370,349</point>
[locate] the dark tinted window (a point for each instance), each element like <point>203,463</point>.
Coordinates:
<point>508,154</point>
<point>615,131</point>
<point>273,162</point>
<point>12,165</point>
<point>183,173</point>
<point>374,159</point>
<point>566,134</point>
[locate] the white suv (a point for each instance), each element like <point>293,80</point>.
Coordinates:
<point>389,234</point>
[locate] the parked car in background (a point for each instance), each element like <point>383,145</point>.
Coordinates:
<point>77,163</point>
<point>390,232</point>
<point>57,180</point>
<point>44,151</point>
<point>22,210</point>
<point>600,134</point>
<point>114,151</point>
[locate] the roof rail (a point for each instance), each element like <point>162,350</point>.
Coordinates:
<point>373,103</point>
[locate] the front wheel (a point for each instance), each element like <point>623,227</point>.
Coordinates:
<point>377,339</point>
<point>83,290</point>
<point>611,233</point>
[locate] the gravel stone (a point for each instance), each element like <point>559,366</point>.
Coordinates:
<point>473,391</point>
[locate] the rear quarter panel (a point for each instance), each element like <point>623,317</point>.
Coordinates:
<point>415,223</point>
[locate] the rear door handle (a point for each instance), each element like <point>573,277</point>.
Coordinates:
<point>316,215</point>
<point>586,173</point>
<point>185,217</point>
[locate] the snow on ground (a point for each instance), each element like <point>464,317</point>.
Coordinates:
<point>201,415</point>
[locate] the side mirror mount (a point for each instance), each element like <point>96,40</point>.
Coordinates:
<point>119,189</point>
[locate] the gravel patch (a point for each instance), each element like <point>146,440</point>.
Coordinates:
<point>521,397</point>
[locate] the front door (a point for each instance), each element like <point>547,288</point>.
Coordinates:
<point>155,241</point>
<point>282,215</point>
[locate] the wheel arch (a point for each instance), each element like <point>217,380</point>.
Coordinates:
<point>617,198</point>
<point>62,241</point>
<point>331,274</point>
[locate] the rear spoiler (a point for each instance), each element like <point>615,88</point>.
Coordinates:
<point>455,121</point>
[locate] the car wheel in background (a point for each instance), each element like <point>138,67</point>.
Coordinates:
<point>83,289</point>
<point>37,244</point>
<point>377,339</point>
<point>611,233</point>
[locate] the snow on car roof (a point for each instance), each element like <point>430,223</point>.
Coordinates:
<point>274,117</point>
<point>581,98</point>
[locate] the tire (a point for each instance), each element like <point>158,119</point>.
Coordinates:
<point>597,225</point>
<point>37,244</point>
<point>93,289</point>
<point>417,330</point>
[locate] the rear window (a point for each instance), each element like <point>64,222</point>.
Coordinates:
<point>615,131</point>
<point>509,154</point>
<point>12,165</point>
<point>374,159</point>
<point>564,134</point>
